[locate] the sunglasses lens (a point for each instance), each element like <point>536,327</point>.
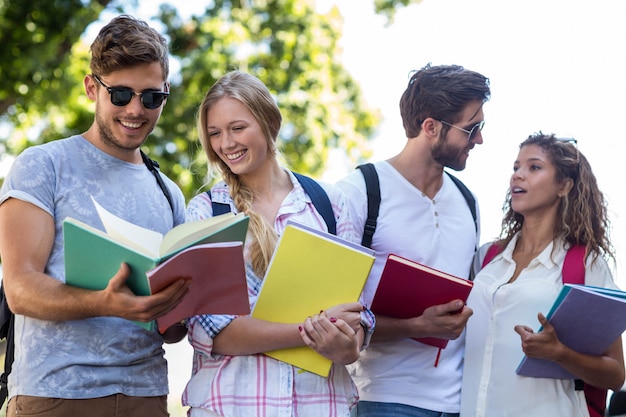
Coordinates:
<point>121,96</point>
<point>474,132</point>
<point>152,100</point>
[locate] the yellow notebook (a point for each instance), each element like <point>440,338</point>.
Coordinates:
<point>310,271</point>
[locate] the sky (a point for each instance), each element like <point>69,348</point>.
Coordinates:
<point>555,66</point>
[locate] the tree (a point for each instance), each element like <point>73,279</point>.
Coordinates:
<point>35,55</point>
<point>294,52</point>
<point>285,43</point>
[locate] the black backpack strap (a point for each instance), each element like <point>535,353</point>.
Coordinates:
<point>320,200</point>
<point>218,208</point>
<point>467,194</point>
<point>7,319</point>
<point>315,192</point>
<point>372,185</point>
<point>153,166</point>
<point>8,363</point>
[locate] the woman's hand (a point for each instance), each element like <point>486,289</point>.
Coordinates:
<point>331,337</point>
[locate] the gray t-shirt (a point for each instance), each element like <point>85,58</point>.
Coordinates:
<point>103,355</point>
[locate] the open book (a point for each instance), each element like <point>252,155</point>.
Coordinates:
<point>407,288</point>
<point>587,319</point>
<point>92,256</point>
<point>310,271</point>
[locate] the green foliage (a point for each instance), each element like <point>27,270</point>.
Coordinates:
<point>294,52</point>
<point>36,80</point>
<point>388,7</point>
<point>286,43</point>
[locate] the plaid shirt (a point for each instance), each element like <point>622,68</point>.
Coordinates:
<point>257,385</point>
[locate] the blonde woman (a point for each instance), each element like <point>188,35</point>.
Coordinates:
<point>239,122</point>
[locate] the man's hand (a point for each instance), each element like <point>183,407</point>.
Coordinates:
<point>445,321</point>
<point>120,301</point>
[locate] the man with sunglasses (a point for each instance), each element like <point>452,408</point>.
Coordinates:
<point>423,216</point>
<point>78,352</point>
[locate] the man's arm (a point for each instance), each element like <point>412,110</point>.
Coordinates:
<point>26,238</point>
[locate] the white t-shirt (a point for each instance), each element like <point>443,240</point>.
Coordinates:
<point>439,233</point>
<point>493,348</point>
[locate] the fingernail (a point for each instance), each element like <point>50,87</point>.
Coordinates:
<point>332,319</point>
<point>321,311</point>
<point>299,328</point>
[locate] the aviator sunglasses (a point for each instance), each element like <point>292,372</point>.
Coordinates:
<point>572,142</point>
<point>121,96</point>
<point>472,133</point>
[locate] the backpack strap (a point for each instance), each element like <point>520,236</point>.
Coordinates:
<point>218,208</point>
<point>8,319</point>
<point>318,196</point>
<point>372,186</point>
<point>574,265</point>
<point>491,253</point>
<point>320,200</point>
<point>153,166</point>
<point>469,198</point>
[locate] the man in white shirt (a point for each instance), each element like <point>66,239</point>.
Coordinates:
<point>423,216</point>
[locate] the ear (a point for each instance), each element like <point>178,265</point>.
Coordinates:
<point>431,127</point>
<point>566,187</point>
<point>90,87</point>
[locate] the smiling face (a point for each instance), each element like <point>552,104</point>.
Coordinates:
<point>121,130</point>
<point>533,185</point>
<point>237,137</point>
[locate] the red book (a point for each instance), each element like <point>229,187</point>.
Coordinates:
<point>218,281</point>
<point>407,288</point>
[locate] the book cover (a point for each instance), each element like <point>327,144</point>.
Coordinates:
<point>310,271</point>
<point>93,256</point>
<point>586,319</point>
<point>407,288</point>
<point>218,281</point>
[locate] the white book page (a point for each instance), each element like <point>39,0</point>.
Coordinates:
<point>148,241</point>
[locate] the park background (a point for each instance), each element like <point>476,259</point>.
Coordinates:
<point>554,65</point>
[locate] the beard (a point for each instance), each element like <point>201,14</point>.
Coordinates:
<point>109,139</point>
<point>449,156</point>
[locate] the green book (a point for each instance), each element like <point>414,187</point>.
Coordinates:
<point>93,256</point>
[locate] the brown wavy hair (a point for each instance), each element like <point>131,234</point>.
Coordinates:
<point>126,42</point>
<point>252,93</point>
<point>582,215</point>
<point>440,92</point>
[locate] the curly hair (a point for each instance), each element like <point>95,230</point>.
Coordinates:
<point>440,92</point>
<point>252,93</point>
<point>582,215</point>
<point>126,42</point>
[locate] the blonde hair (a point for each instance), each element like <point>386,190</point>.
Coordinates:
<point>252,93</point>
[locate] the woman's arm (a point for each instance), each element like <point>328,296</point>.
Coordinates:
<point>604,371</point>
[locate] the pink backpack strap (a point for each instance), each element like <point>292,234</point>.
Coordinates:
<point>574,265</point>
<point>491,253</point>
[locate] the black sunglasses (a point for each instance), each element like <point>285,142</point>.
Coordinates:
<point>121,96</point>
